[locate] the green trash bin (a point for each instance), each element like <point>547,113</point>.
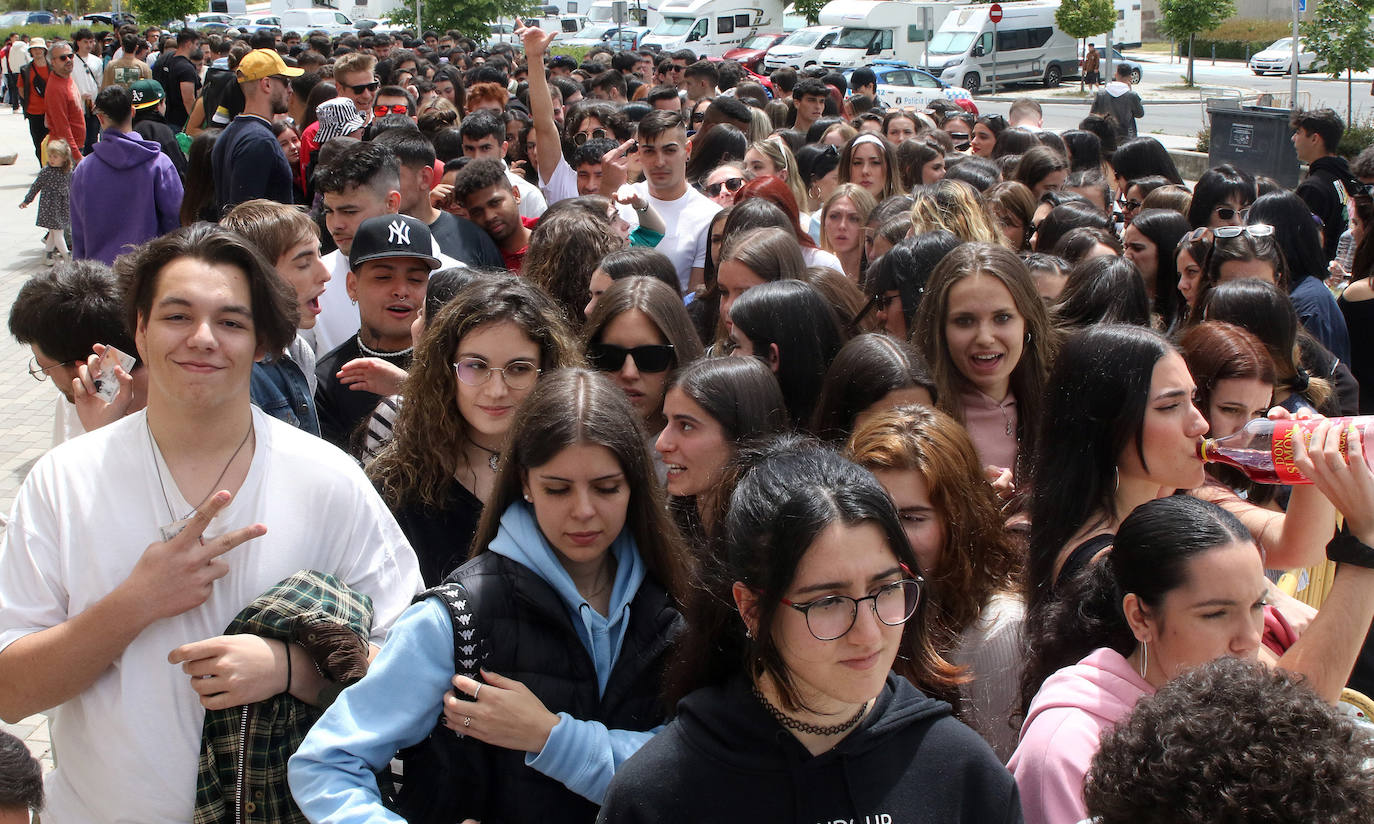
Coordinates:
<point>1256,139</point>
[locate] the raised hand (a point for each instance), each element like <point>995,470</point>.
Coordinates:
<point>172,577</point>
<point>92,409</point>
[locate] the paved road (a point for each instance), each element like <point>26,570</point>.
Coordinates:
<point>1186,119</point>
<point>26,425</point>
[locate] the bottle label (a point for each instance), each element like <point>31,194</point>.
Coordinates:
<point>1281,447</point>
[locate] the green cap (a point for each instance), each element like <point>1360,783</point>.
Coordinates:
<point>146,93</point>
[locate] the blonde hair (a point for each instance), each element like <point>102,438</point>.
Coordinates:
<point>952,205</point>
<point>61,149</point>
<point>355,62</point>
<point>858,195</point>
<point>783,160</point>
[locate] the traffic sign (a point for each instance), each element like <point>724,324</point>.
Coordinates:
<point>995,13</point>
<point>1302,6</point>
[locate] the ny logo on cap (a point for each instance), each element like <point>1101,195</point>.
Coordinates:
<point>398,232</point>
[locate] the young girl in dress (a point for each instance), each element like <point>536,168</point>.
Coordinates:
<point>54,214</point>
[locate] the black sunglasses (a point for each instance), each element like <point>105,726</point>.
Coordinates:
<point>1228,213</point>
<point>366,87</point>
<point>583,137</point>
<point>608,357</point>
<point>731,185</point>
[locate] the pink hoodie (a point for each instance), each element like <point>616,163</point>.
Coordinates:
<point>1060,736</point>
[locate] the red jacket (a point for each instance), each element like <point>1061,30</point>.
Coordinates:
<point>65,117</point>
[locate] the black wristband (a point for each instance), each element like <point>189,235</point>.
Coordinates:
<point>1345,548</point>
<point>287,644</point>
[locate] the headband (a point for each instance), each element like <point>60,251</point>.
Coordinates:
<point>867,137</point>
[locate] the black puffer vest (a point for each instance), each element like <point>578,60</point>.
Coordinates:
<point>524,632</point>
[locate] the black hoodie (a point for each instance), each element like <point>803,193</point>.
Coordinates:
<point>1320,194</point>
<point>724,758</point>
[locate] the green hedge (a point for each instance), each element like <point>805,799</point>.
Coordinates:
<point>55,30</point>
<point>1239,39</point>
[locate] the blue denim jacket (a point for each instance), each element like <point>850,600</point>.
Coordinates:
<point>279,388</point>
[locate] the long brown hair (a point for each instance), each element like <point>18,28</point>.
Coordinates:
<point>1029,377</point>
<point>564,250</point>
<point>979,559</point>
<point>579,406</point>
<point>419,463</point>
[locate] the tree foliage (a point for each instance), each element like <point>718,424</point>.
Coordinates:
<point>469,17</point>
<point>1339,35</point>
<point>810,9</point>
<point>1181,19</point>
<point>1085,18</point>
<point>157,12</point>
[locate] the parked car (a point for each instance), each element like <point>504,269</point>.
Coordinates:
<point>592,34</point>
<point>626,37</point>
<point>902,84</point>
<point>112,19</point>
<point>329,21</point>
<point>1277,58</point>
<point>1117,59</point>
<point>28,18</point>
<point>257,24</point>
<point>383,25</point>
<point>751,53</point>
<point>500,33</point>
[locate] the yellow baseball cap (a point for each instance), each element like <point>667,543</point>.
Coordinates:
<point>260,63</point>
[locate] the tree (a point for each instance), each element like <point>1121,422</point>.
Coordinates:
<point>1081,19</point>
<point>469,17</point>
<point>1339,35</point>
<point>157,12</point>
<point>1182,19</point>
<point>810,9</point>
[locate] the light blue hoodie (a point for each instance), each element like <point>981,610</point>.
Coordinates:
<point>332,774</point>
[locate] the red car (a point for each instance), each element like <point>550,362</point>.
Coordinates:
<point>750,75</point>
<point>750,55</point>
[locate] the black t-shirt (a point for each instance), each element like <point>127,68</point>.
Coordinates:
<point>341,409</point>
<point>179,70</point>
<point>465,241</point>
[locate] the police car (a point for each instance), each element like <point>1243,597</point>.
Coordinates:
<point>902,84</point>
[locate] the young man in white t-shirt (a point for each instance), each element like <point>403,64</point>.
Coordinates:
<point>686,212</point>
<point>130,549</point>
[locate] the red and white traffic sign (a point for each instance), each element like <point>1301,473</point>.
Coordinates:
<point>995,13</point>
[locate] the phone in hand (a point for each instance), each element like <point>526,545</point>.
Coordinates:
<point>106,383</point>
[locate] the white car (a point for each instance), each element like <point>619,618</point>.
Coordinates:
<point>592,34</point>
<point>1278,58</point>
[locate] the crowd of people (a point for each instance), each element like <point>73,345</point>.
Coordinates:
<point>450,435</point>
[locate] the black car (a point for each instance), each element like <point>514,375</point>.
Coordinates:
<point>112,19</point>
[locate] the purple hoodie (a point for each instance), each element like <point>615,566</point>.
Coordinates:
<point>1062,730</point>
<point>125,193</point>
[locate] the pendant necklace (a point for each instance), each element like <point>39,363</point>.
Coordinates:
<point>171,530</point>
<point>493,455</point>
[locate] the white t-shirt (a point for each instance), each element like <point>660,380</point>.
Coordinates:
<point>127,746</point>
<point>87,78</point>
<point>66,423</point>
<point>532,203</point>
<point>338,319</point>
<point>812,256</point>
<point>688,223</point>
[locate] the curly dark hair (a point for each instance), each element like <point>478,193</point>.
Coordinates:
<point>1232,741</point>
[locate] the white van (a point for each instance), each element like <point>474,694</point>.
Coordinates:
<point>880,30</point>
<point>713,27</point>
<point>1029,47</point>
<point>801,48</point>
<point>329,21</point>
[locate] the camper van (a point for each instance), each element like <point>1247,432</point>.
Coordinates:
<point>1029,47</point>
<point>713,27</point>
<point>1126,32</point>
<point>881,30</point>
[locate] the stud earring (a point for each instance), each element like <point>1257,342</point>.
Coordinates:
<point>528,499</point>
<point>749,633</point>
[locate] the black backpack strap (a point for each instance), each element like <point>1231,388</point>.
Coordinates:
<point>469,646</point>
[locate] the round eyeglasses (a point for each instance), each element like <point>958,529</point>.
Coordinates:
<point>516,374</point>
<point>40,373</point>
<point>833,616</point>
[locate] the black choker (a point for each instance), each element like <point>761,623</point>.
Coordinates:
<point>801,726</point>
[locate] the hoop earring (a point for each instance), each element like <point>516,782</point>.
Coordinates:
<point>1028,337</point>
<point>1144,659</point>
<point>1116,479</point>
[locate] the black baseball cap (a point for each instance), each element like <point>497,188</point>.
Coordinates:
<point>392,236</point>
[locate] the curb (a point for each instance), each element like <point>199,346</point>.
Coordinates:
<point>1064,101</point>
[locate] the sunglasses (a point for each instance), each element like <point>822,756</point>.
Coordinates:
<point>608,357</point>
<point>394,108</point>
<point>697,117</point>
<point>583,137</point>
<point>73,57</point>
<point>366,87</point>
<point>1228,213</point>
<point>959,137</point>
<point>732,185</point>
<point>1132,205</point>
<point>1207,234</point>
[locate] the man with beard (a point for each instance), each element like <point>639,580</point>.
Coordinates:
<point>248,161</point>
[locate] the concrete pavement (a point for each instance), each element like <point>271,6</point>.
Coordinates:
<point>27,423</point>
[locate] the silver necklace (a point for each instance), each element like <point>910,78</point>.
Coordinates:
<point>493,455</point>
<point>373,353</point>
<point>170,531</point>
